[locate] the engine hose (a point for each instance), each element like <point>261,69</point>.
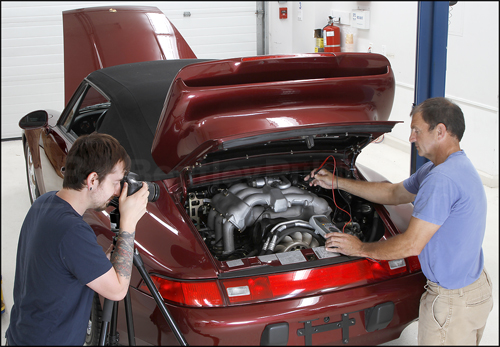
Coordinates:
<point>287,224</point>
<point>264,248</point>
<point>287,232</point>
<point>263,228</point>
<point>282,226</point>
<point>273,239</point>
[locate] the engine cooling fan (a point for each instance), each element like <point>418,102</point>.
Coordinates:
<point>296,241</point>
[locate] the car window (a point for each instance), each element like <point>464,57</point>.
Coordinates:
<point>87,113</point>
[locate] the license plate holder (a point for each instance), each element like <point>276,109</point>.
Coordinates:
<point>343,324</point>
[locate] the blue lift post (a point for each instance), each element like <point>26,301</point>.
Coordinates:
<point>430,74</point>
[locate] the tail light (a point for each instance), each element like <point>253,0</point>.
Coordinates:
<point>278,286</point>
<point>197,294</point>
<point>413,264</point>
<point>309,282</point>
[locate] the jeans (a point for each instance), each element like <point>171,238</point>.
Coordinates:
<point>455,317</point>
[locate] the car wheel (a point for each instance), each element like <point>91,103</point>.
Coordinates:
<point>94,325</point>
<point>30,174</point>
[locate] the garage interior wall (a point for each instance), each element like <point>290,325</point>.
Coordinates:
<point>32,54</point>
<point>32,45</point>
<point>472,61</point>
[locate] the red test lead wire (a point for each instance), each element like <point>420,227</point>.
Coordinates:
<point>333,193</point>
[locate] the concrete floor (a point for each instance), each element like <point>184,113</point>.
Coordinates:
<point>390,162</point>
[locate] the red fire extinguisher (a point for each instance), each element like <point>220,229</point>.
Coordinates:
<point>331,36</point>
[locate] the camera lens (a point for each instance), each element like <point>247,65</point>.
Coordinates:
<point>154,191</point>
<point>134,184</point>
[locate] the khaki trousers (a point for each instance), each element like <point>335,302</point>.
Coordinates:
<point>454,317</point>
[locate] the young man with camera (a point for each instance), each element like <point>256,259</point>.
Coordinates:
<point>446,229</point>
<point>59,262</point>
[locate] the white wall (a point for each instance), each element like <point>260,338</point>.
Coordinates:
<point>472,62</point>
<point>32,45</point>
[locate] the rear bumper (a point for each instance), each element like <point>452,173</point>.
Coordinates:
<point>302,321</point>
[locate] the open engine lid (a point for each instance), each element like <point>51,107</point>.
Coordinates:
<point>100,37</point>
<point>236,103</point>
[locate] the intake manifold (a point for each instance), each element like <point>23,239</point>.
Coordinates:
<point>240,206</point>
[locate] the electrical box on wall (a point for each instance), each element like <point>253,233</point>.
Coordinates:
<point>283,12</point>
<point>360,19</point>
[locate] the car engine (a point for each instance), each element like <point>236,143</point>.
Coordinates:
<point>270,214</point>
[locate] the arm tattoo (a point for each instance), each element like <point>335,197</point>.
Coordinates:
<point>122,257</point>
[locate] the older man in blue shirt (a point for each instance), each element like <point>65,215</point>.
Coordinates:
<point>446,230</point>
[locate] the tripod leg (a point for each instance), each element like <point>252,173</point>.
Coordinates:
<point>130,320</point>
<point>113,335</point>
<point>159,300</point>
<point>106,319</point>
<point>109,305</point>
<point>104,332</point>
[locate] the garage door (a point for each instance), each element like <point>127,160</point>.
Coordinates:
<point>32,46</point>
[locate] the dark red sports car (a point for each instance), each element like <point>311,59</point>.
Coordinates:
<point>234,243</point>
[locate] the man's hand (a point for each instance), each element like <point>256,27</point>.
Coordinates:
<point>322,178</point>
<point>132,207</point>
<point>345,243</point>
<point>410,243</point>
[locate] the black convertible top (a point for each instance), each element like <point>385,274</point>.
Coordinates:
<point>137,93</point>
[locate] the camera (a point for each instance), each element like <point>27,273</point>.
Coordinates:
<point>134,184</point>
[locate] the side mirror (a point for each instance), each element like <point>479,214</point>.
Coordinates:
<point>34,120</point>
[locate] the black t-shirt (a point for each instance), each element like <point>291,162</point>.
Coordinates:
<point>57,256</point>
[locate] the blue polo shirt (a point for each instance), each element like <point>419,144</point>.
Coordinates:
<point>451,195</point>
<point>57,256</point>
